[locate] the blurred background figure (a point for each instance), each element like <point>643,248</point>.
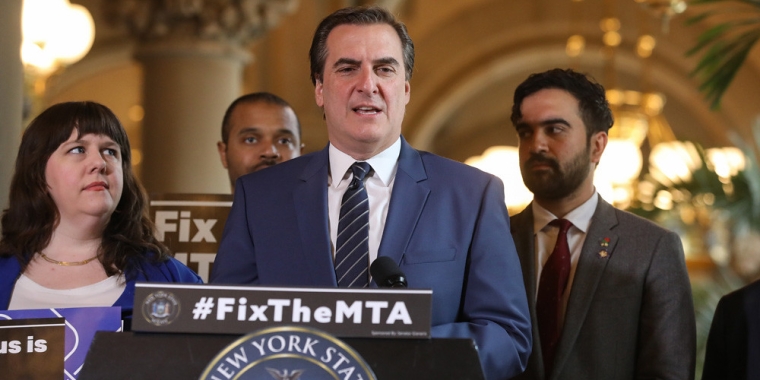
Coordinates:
<point>735,337</point>
<point>259,130</point>
<point>77,231</point>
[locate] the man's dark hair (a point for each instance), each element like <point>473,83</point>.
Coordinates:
<point>592,100</point>
<point>256,97</point>
<point>357,16</point>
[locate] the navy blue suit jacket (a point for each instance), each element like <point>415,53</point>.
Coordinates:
<point>447,228</point>
<point>733,345</point>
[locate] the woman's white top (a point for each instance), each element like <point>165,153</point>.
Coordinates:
<point>28,294</point>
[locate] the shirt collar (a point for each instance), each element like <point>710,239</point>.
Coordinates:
<point>580,217</point>
<point>383,164</point>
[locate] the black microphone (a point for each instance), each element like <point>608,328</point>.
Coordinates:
<point>387,274</point>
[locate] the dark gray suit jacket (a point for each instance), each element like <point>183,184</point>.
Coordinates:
<point>630,313</point>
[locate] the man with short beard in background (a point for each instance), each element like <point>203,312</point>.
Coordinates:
<point>608,291</point>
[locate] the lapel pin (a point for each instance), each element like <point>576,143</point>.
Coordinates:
<point>604,243</point>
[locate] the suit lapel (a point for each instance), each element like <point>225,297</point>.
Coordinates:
<point>521,226</point>
<point>407,201</point>
<point>591,265</point>
<point>310,198</point>
<point>523,235</point>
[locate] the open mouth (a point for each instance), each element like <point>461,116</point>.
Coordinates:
<point>366,110</point>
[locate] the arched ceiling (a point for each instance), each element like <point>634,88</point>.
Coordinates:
<point>470,57</point>
<point>470,64</point>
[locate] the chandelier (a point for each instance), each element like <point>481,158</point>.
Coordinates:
<point>639,124</point>
<point>665,9</point>
<point>55,33</point>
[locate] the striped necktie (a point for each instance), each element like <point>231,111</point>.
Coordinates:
<point>352,252</point>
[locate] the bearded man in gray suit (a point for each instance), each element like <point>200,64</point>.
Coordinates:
<point>609,293</point>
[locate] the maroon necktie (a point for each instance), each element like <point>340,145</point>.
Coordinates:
<point>550,290</point>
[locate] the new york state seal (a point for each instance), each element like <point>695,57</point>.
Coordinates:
<point>288,353</point>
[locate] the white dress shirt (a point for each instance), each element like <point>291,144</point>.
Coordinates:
<point>379,185</point>
<point>546,238</point>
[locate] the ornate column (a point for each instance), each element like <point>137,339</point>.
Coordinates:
<point>192,53</point>
<point>11,92</point>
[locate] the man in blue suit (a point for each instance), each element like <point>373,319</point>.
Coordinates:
<point>444,223</point>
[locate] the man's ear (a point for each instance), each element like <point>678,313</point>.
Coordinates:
<point>318,94</point>
<point>222,148</point>
<point>598,143</point>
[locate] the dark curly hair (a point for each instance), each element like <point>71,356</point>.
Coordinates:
<point>592,100</point>
<point>357,16</point>
<point>32,215</point>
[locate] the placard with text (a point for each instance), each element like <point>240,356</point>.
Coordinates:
<point>370,313</point>
<point>32,348</point>
<point>81,323</point>
<point>191,225</point>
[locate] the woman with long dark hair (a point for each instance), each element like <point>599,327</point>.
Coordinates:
<point>77,231</point>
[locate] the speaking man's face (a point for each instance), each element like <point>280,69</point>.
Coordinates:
<point>363,90</point>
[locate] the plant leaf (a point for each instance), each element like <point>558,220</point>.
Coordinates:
<point>725,46</point>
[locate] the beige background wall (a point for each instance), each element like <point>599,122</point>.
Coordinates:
<point>11,95</point>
